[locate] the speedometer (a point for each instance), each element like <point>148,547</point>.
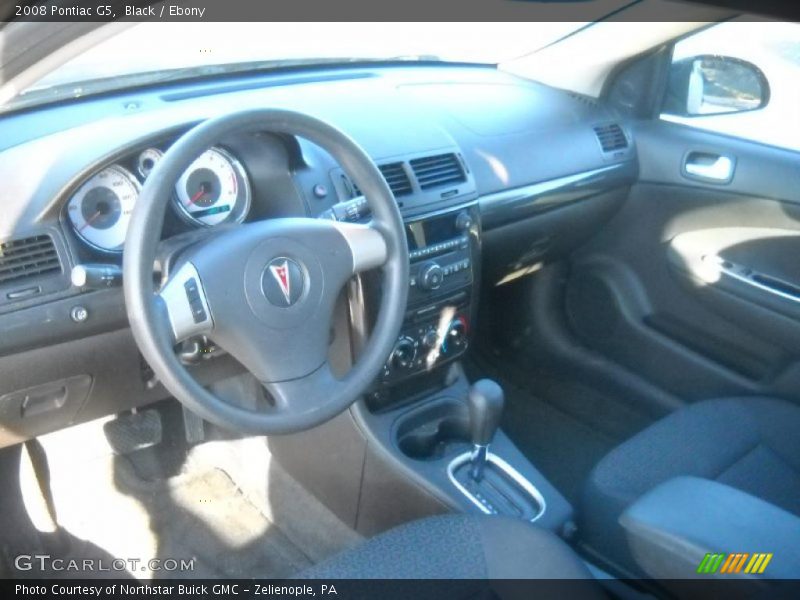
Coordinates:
<point>213,190</point>
<point>101,208</point>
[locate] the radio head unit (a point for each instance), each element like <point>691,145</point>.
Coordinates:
<point>427,232</point>
<point>444,255</point>
<point>440,253</point>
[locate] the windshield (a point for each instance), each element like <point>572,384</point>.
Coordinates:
<point>156,52</point>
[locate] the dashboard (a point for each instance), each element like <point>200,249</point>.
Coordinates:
<point>523,157</point>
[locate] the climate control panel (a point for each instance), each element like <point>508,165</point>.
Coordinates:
<point>424,345</point>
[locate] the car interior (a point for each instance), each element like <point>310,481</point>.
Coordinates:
<point>412,319</point>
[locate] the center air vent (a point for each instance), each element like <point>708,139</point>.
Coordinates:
<point>611,137</point>
<point>435,171</point>
<point>394,174</point>
<point>397,178</point>
<point>28,257</point>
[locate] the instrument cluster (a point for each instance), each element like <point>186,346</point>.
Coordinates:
<point>212,191</point>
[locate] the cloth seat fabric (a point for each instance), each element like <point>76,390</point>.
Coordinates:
<point>751,444</point>
<point>468,550</point>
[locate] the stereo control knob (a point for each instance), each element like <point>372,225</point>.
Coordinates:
<point>431,276</point>
<point>403,354</point>
<point>463,221</point>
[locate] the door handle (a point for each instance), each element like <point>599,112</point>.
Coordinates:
<point>708,166</point>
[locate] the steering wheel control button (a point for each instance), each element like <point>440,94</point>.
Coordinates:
<point>195,303</point>
<point>185,300</point>
<point>283,282</point>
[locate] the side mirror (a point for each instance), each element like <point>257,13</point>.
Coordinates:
<point>713,85</point>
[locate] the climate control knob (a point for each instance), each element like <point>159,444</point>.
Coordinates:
<point>431,276</point>
<point>403,354</point>
<point>456,336</point>
<point>430,339</point>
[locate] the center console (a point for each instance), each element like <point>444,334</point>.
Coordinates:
<point>444,253</point>
<point>447,443</point>
<point>443,249</point>
<point>422,410</point>
<point>423,439</point>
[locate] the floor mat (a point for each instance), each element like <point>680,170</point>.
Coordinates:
<point>162,503</point>
<point>564,448</point>
<point>202,518</point>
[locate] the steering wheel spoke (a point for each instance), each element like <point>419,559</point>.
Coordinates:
<point>367,245</point>
<point>186,304</point>
<point>300,395</point>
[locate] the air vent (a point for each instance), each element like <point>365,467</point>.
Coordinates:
<point>395,175</point>
<point>28,257</point>
<point>611,137</point>
<point>435,171</point>
<point>397,178</point>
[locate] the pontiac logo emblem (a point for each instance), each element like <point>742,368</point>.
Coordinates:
<point>281,275</point>
<point>282,282</point>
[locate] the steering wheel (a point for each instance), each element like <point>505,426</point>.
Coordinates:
<point>265,291</point>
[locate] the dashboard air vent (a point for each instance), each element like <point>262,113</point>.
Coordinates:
<point>28,257</point>
<point>395,175</point>
<point>611,137</point>
<point>434,171</point>
<point>397,178</point>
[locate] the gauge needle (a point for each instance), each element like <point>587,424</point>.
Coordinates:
<point>200,193</point>
<point>90,220</point>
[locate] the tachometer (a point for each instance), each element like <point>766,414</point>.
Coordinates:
<point>101,208</point>
<point>213,190</point>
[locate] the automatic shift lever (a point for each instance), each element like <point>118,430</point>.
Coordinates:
<point>485,401</point>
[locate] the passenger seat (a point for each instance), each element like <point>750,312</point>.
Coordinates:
<point>751,444</point>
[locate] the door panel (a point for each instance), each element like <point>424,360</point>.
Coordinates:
<point>756,264</point>
<point>761,171</point>
<point>700,278</point>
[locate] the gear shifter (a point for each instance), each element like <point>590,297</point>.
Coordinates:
<point>489,482</point>
<point>485,402</point>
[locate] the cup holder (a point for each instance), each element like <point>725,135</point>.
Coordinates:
<point>434,431</point>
